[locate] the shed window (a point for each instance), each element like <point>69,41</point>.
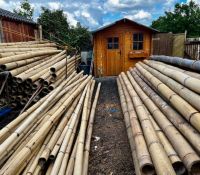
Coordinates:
<point>113,43</point>
<point>138,41</point>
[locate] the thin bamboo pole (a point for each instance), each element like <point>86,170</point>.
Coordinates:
<point>81,139</point>
<point>63,147</point>
<point>89,132</point>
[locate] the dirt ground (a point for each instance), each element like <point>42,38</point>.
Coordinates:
<point>110,151</point>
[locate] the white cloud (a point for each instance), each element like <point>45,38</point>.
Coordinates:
<point>55,5</point>
<point>71,18</point>
<point>140,15</point>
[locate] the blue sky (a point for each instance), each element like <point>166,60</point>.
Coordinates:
<point>96,13</point>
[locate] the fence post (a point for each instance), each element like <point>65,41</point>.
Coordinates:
<point>40,32</point>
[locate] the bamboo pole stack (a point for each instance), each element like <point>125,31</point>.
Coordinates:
<point>52,136</point>
<point>30,65</point>
<point>160,103</point>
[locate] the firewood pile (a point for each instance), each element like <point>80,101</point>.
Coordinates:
<point>160,102</point>
<point>30,70</point>
<point>53,135</point>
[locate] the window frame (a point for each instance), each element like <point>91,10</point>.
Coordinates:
<point>113,42</point>
<point>138,41</point>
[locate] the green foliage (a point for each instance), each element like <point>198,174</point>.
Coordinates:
<point>25,10</point>
<point>56,28</point>
<point>185,17</point>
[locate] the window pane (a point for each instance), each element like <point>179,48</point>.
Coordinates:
<point>116,46</point>
<point>140,46</point>
<point>116,40</point>
<point>109,40</point>
<point>135,46</point>
<point>140,37</point>
<point>135,37</point>
<point>110,45</point>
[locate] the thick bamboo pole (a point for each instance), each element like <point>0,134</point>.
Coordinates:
<point>7,50</point>
<point>18,131</point>
<point>144,158</point>
<point>190,113</point>
<point>191,64</point>
<point>175,160</point>
<point>192,74</point>
<point>158,154</point>
<point>27,56</point>
<point>178,121</point>
<point>25,152</point>
<point>184,79</point>
<point>128,128</point>
<point>31,45</point>
<point>181,90</point>
<point>17,64</point>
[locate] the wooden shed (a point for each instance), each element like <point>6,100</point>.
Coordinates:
<point>120,45</point>
<point>15,28</point>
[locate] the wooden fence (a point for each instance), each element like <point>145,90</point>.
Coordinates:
<point>169,44</point>
<point>192,50</point>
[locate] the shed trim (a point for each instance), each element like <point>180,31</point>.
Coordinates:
<point>124,19</point>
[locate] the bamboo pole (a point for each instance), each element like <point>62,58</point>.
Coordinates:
<point>181,90</point>
<point>13,136</point>
<point>25,152</point>
<point>164,124</point>
<point>184,79</point>
<point>178,121</point>
<point>128,128</point>
<point>81,139</point>
<point>191,64</point>
<point>144,158</point>
<point>158,154</point>
<point>63,147</point>
<point>27,56</point>
<point>89,132</point>
<point>193,74</point>
<point>190,113</point>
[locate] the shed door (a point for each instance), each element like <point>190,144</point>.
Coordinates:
<point>113,55</point>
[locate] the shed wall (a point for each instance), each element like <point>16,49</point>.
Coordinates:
<point>14,31</point>
<point>128,59</point>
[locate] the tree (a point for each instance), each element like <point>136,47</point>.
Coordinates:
<point>25,10</point>
<point>80,37</point>
<point>56,28</point>
<point>185,17</point>
<point>54,24</point>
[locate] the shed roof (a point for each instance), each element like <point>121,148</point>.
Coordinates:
<point>15,17</point>
<point>125,20</point>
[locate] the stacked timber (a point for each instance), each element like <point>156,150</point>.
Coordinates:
<point>30,70</point>
<point>160,103</point>
<point>53,136</point>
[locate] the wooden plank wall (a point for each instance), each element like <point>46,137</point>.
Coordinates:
<point>163,44</point>
<point>125,30</point>
<point>169,44</point>
<point>178,45</point>
<point>14,31</point>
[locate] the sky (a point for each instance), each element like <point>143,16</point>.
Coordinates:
<point>97,13</point>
